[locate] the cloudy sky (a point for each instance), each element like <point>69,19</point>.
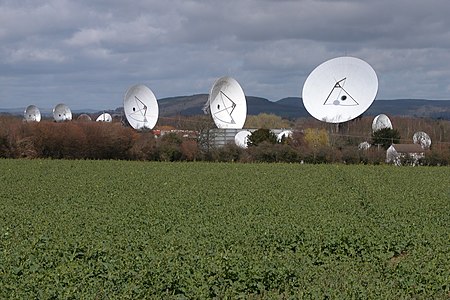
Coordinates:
<point>86,53</point>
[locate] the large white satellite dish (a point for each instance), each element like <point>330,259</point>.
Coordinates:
<point>61,113</point>
<point>84,118</point>
<point>104,117</point>
<point>381,121</point>
<point>227,103</point>
<point>364,146</point>
<point>340,89</point>
<point>32,114</point>
<point>141,107</point>
<point>422,139</point>
<point>241,138</point>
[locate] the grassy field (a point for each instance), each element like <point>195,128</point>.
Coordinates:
<point>133,230</point>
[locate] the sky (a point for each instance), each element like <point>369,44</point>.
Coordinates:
<point>87,53</point>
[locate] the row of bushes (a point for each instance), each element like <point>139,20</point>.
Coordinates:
<point>94,140</point>
<point>266,152</point>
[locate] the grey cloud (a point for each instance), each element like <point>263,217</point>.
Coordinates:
<point>89,52</point>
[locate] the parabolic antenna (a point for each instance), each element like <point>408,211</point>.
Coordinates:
<point>284,134</point>
<point>32,114</point>
<point>141,107</point>
<point>340,89</point>
<point>227,103</point>
<point>84,118</point>
<point>241,138</point>
<point>381,121</point>
<point>62,113</point>
<point>364,146</point>
<point>104,117</point>
<point>422,139</point>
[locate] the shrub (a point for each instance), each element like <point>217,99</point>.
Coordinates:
<point>144,147</point>
<point>261,135</point>
<point>4,147</point>
<point>436,157</point>
<point>170,147</point>
<point>5,150</point>
<point>228,153</point>
<point>373,156</point>
<point>351,155</point>
<point>189,150</point>
<point>110,140</point>
<point>267,152</point>
<point>69,140</point>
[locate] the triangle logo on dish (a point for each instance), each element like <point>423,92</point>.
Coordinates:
<point>339,96</point>
<point>225,108</point>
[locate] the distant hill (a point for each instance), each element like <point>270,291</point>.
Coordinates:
<point>182,105</point>
<point>46,112</point>
<point>192,105</point>
<point>291,107</point>
<point>436,109</point>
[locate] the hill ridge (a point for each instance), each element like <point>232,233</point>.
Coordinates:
<point>288,107</point>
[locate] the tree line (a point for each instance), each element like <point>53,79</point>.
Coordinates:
<point>311,142</point>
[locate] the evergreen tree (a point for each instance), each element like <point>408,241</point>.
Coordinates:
<point>385,137</point>
<point>261,135</point>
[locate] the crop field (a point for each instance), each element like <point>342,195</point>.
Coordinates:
<point>149,230</point>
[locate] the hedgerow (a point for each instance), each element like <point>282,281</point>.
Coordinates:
<point>96,140</point>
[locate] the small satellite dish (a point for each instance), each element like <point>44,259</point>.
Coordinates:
<point>241,138</point>
<point>141,107</point>
<point>84,118</point>
<point>104,117</point>
<point>422,139</point>
<point>32,114</point>
<point>381,121</point>
<point>340,89</point>
<point>364,146</point>
<point>227,103</point>
<point>62,113</point>
<point>284,134</point>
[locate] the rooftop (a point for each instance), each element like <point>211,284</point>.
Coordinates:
<point>408,148</point>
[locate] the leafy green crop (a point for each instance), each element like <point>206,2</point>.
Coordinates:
<point>133,230</point>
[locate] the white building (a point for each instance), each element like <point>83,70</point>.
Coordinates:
<point>398,153</point>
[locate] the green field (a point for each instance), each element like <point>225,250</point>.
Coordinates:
<point>134,230</point>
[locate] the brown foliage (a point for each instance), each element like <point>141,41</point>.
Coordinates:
<point>189,150</point>
<point>97,140</point>
<point>71,140</point>
<point>107,140</point>
<point>169,146</point>
<point>267,152</point>
<point>228,153</point>
<point>7,135</point>
<point>438,156</point>
<point>144,147</point>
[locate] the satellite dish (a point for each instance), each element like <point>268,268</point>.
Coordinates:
<point>285,134</point>
<point>422,139</point>
<point>241,138</point>
<point>340,89</point>
<point>62,113</point>
<point>84,118</point>
<point>227,103</point>
<point>381,121</point>
<point>32,114</point>
<point>104,117</point>
<point>141,107</point>
<point>364,146</point>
